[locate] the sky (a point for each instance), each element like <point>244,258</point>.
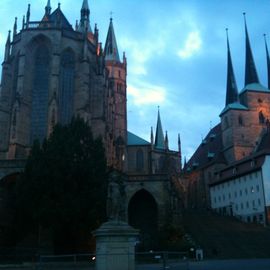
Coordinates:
<point>176,53</point>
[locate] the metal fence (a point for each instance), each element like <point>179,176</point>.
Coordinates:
<point>143,261</point>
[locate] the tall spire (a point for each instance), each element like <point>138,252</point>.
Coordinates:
<point>268,62</point>
<point>231,93</point>
<point>152,137</point>
<point>48,8</point>
<point>111,50</point>
<point>85,18</point>
<point>251,75</point>
<point>159,139</point>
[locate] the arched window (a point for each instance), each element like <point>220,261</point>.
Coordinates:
<point>40,94</point>
<point>139,160</point>
<point>66,87</point>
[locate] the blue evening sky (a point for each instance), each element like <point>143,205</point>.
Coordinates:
<point>176,52</point>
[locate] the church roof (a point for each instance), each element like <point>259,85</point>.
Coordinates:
<point>233,106</point>
<point>209,151</point>
<point>133,139</point>
<point>58,17</point>
<point>256,87</point>
<point>111,50</point>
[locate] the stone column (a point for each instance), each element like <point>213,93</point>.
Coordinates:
<point>115,246</point>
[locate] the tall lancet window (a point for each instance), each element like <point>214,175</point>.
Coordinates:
<point>40,94</point>
<point>66,87</point>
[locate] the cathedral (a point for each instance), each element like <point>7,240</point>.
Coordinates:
<point>52,72</point>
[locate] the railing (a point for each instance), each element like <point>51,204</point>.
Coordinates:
<point>143,261</point>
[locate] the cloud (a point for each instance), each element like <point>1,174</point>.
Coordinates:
<point>146,94</point>
<point>192,45</point>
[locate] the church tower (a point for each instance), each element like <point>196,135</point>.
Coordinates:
<point>117,73</point>
<point>244,118</point>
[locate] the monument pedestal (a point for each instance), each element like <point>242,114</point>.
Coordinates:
<point>115,246</point>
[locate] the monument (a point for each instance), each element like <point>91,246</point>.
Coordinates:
<point>115,239</point>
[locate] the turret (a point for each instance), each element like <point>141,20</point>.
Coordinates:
<point>85,18</point>
<point>166,141</point>
<point>15,28</point>
<point>48,8</point>
<point>7,48</point>
<point>179,150</point>
<point>28,15</point>
<point>152,138</point>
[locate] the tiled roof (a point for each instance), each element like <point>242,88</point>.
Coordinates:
<point>136,140</point>
<point>209,150</point>
<point>256,87</point>
<point>234,106</point>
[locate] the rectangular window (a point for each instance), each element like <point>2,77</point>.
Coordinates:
<point>247,204</point>
<point>259,202</point>
<point>258,188</point>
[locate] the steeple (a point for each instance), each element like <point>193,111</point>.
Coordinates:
<point>159,139</point>
<point>251,75</point>
<point>268,62</point>
<point>7,48</point>
<point>85,18</point>
<point>231,93</point>
<point>48,8</point>
<point>111,50</point>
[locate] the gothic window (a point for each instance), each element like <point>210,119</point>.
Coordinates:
<point>261,117</point>
<point>66,87</point>
<point>139,160</point>
<point>240,120</point>
<point>40,94</point>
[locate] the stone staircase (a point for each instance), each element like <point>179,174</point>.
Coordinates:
<point>225,237</point>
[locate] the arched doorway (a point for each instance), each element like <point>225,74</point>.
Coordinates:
<point>143,215</point>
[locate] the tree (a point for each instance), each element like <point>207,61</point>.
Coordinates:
<point>64,187</point>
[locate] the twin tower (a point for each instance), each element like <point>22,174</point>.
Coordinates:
<point>245,118</point>
<point>51,72</point>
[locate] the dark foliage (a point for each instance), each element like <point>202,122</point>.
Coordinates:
<point>63,189</point>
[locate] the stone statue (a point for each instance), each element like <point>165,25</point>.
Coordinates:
<point>116,201</point>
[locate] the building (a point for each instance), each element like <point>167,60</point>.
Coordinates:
<point>244,122</point>
<point>53,71</point>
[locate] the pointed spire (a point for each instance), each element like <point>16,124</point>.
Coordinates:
<point>15,28</point>
<point>166,141</point>
<point>85,17</point>
<point>251,75</point>
<point>231,93</point>
<point>28,15</point>
<point>7,48</point>
<point>159,139</point>
<point>268,62</point>
<point>111,50</point>
<point>48,8</point>
<point>152,136</point>
<point>23,22</point>
<point>179,150</point>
